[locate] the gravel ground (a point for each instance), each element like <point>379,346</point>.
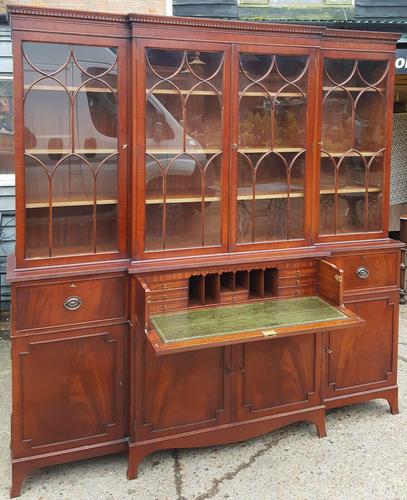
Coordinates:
<point>363,457</point>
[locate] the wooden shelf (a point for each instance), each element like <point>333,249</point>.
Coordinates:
<point>68,151</point>
<point>354,89</point>
<point>59,88</point>
<point>179,152</point>
<point>351,190</point>
<point>272,94</point>
<point>351,154</point>
<point>181,199</point>
<point>274,150</point>
<point>70,203</point>
<point>270,196</point>
<point>182,92</point>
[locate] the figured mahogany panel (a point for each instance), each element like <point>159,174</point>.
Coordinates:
<point>277,373</point>
<point>183,389</point>
<point>369,270</point>
<point>359,358</point>
<point>68,390</point>
<point>63,302</point>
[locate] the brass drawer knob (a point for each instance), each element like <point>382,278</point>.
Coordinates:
<point>72,303</point>
<point>362,272</point>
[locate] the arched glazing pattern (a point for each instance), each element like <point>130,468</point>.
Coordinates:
<point>272,147</point>
<point>71,149</point>
<point>184,118</point>
<point>352,146</point>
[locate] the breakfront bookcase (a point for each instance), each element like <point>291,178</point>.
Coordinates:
<point>202,251</point>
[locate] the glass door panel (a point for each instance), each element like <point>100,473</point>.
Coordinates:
<point>272,138</point>
<point>72,155</point>
<point>184,117</point>
<point>352,146</point>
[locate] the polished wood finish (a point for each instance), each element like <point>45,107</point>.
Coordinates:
<point>244,162</point>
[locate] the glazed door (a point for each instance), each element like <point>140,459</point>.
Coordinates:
<point>278,375</point>
<point>359,359</point>
<point>356,114</point>
<point>272,129</point>
<point>71,148</point>
<point>183,144</point>
<point>68,389</point>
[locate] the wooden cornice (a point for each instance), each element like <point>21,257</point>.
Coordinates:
<point>262,27</point>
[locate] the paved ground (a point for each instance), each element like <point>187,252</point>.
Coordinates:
<point>363,457</point>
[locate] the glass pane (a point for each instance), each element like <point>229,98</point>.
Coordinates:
<point>184,106</point>
<point>212,202</point>
<point>296,197</point>
<point>255,121</point>
<point>75,88</point>
<point>271,193</point>
<point>290,120</point>
<point>327,196</point>
<point>272,131</point>
<point>353,133</point>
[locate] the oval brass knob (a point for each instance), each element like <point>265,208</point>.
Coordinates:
<point>72,303</point>
<point>234,145</point>
<point>362,272</point>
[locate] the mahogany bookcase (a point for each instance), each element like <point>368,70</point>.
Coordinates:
<point>202,251</point>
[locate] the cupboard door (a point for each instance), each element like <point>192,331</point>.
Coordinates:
<point>363,358</point>
<point>355,122</point>
<point>278,375</point>
<point>68,390</point>
<point>183,173</point>
<point>183,392</point>
<point>73,203</point>
<point>273,134</point>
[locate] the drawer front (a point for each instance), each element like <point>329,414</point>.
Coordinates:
<point>169,294</point>
<point>304,280</point>
<point>59,303</point>
<point>168,284</point>
<point>168,305</point>
<point>236,296</point>
<point>369,271</point>
<point>294,291</point>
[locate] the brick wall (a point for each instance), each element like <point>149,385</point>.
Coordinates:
<point>117,6</point>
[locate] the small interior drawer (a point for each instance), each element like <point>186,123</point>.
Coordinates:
<point>369,270</point>
<point>68,302</point>
<point>168,305</point>
<point>167,284</point>
<point>169,294</point>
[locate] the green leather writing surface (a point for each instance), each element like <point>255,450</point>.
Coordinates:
<point>218,320</point>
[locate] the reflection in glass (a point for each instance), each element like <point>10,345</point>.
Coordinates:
<point>183,143</point>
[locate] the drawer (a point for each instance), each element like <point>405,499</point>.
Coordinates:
<point>165,285</point>
<point>299,280</point>
<point>169,294</point>
<point>369,271</point>
<point>293,273</point>
<point>63,302</point>
<point>236,296</point>
<point>295,291</point>
<point>168,305</point>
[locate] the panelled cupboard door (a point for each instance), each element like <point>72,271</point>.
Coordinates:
<point>183,144</point>
<point>68,390</point>
<point>71,165</point>
<point>356,114</point>
<point>272,135</point>
<point>278,375</point>
<point>183,392</point>
<point>363,358</point>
